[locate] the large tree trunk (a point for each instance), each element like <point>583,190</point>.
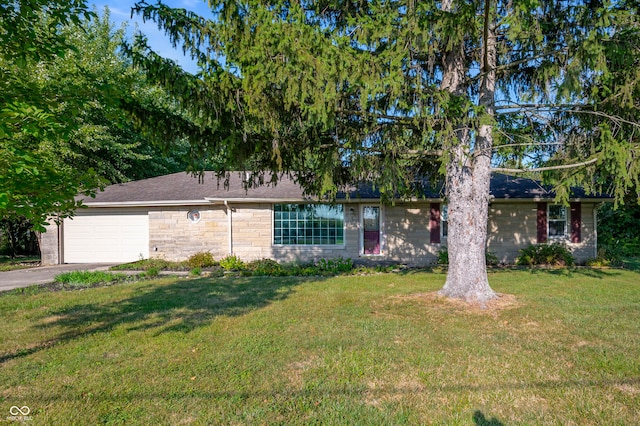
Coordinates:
<point>468,177</point>
<point>468,205</point>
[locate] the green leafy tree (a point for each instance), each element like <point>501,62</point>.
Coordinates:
<point>337,92</point>
<point>96,85</point>
<point>66,124</point>
<point>33,183</point>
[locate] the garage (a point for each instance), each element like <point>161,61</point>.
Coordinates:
<point>106,236</point>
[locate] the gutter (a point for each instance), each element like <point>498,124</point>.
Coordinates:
<point>171,203</point>
<point>551,200</point>
<point>225,201</point>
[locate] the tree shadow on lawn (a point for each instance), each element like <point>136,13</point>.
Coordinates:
<point>180,306</point>
<point>480,420</point>
<point>632,263</point>
<point>578,271</point>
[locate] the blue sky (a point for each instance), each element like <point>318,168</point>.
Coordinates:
<point>159,42</point>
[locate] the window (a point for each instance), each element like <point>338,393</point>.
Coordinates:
<point>308,224</point>
<point>194,216</point>
<point>444,221</point>
<point>557,221</point>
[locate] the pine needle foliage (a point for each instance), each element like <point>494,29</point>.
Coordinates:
<point>336,92</point>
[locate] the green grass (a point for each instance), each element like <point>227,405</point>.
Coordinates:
<point>88,278</point>
<point>22,262</point>
<point>564,348</point>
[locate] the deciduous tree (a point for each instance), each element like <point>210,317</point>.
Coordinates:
<point>66,124</point>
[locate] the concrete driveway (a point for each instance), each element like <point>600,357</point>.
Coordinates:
<point>44,274</point>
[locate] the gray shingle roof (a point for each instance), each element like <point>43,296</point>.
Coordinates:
<point>186,187</point>
<point>183,187</point>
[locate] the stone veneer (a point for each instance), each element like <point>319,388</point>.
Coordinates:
<point>405,233</point>
<point>513,226</point>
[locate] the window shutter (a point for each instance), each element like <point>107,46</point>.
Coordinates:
<point>434,223</point>
<point>542,223</point>
<point>576,222</point>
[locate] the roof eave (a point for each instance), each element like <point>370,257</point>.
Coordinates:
<point>550,200</point>
<point>162,203</point>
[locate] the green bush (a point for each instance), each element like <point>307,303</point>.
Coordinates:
<point>203,259</point>
<point>443,257</point>
<point>545,254</point>
<point>146,264</point>
<point>334,266</point>
<point>490,258</point>
<point>232,263</point>
<point>265,267</point>
<point>295,269</point>
<point>613,254</point>
<point>152,272</point>
<point>88,278</point>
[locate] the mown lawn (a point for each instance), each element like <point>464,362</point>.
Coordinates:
<point>562,348</point>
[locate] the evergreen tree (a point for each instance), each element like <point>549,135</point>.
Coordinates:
<point>335,92</point>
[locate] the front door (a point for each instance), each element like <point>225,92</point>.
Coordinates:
<point>371,230</point>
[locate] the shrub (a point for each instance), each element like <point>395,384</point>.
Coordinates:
<point>265,267</point>
<point>203,259</point>
<point>146,264</point>
<point>490,258</point>
<point>88,278</point>
<point>545,254</point>
<point>598,262</point>
<point>611,254</point>
<point>298,269</point>
<point>443,257</point>
<point>334,266</point>
<point>152,272</point>
<point>195,272</point>
<point>232,263</point>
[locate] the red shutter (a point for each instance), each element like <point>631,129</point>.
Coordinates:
<point>434,222</point>
<point>542,223</point>
<point>576,222</point>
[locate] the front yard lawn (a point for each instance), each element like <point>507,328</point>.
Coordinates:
<point>561,347</point>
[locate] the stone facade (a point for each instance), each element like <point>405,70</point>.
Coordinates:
<point>172,236</point>
<point>246,230</point>
<point>513,226</point>
<point>407,235</point>
<point>49,242</point>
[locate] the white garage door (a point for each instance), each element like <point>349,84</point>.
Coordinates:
<point>106,237</point>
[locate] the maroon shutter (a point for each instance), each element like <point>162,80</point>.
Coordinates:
<point>542,223</point>
<point>434,222</point>
<point>576,222</point>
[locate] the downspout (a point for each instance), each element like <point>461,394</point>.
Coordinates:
<point>230,225</point>
<point>595,229</point>
<point>60,230</point>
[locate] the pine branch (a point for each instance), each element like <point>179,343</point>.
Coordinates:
<point>545,169</point>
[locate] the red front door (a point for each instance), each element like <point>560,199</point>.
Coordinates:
<point>371,230</point>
